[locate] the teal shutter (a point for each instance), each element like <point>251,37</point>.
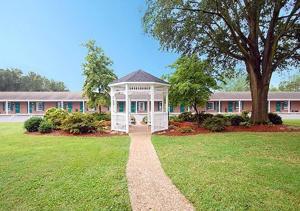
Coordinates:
<point>121,106</point>
<point>17,107</point>
<point>171,108</point>
<point>181,108</point>
<point>81,107</point>
<point>230,106</point>
<point>70,106</point>
<point>133,107</point>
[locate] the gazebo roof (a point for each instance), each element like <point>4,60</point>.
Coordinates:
<point>139,76</point>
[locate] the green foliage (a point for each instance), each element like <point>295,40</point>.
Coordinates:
<point>236,120</point>
<point>186,116</point>
<point>186,129</point>
<point>203,116</point>
<point>78,123</point>
<point>275,118</point>
<point>245,115</point>
<point>32,124</point>
<point>175,119</point>
<point>192,82</point>
<point>46,126</point>
<point>292,84</point>
<point>56,116</point>
<point>102,116</point>
<point>245,124</point>
<point>238,83</point>
<point>98,75</point>
<point>214,124</point>
<point>15,80</point>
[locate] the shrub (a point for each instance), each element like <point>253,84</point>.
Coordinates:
<point>46,126</point>
<point>186,129</point>
<point>245,124</point>
<point>132,120</point>
<point>77,123</point>
<point>175,119</point>
<point>100,125</point>
<point>214,124</point>
<point>102,116</point>
<point>275,118</point>
<point>56,116</point>
<point>32,124</point>
<point>186,116</point>
<point>236,120</point>
<point>220,116</point>
<point>203,116</point>
<point>245,115</point>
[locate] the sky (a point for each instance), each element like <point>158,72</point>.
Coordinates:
<point>46,36</point>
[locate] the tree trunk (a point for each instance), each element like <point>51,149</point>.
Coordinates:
<point>197,115</point>
<point>100,111</point>
<point>259,86</point>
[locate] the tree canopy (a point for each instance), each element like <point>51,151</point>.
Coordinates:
<point>192,82</point>
<point>15,80</point>
<point>238,83</point>
<point>291,85</point>
<point>263,35</point>
<point>98,75</point>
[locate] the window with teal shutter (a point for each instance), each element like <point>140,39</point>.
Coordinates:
<point>181,108</point>
<point>171,108</point>
<point>121,106</point>
<point>133,107</point>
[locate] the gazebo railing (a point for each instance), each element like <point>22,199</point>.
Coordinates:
<point>118,122</point>
<point>160,121</point>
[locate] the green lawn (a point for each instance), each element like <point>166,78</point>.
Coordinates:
<point>61,173</point>
<point>292,122</point>
<point>235,171</point>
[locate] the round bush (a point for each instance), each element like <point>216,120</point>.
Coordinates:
<point>236,120</point>
<point>56,116</point>
<point>33,124</point>
<point>275,118</point>
<point>186,116</point>
<point>46,126</point>
<point>79,123</point>
<point>214,124</point>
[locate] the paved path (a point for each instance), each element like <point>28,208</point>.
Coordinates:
<point>149,187</point>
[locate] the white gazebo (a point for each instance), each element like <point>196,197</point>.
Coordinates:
<point>137,96</point>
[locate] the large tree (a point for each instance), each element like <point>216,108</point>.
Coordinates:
<point>263,35</point>
<point>192,82</point>
<point>98,75</point>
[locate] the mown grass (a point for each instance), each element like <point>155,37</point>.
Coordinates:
<point>292,122</point>
<point>234,171</point>
<point>61,173</point>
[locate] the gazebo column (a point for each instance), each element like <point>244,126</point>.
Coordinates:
<point>112,110</point>
<point>167,102</point>
<point>126,108</point>
<point>152,107</point>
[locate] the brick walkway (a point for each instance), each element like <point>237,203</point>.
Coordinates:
<point>149,187</point>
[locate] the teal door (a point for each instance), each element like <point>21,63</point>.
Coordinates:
<point>230,106</point>
<point>17,105</point>
<point>278,106</point>
<point>70,106</point>
<point>181,108</point>
<point>133,107</point>
<point>121,106</point>
<point>81,107</point>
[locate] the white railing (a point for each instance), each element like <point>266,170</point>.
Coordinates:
<point>118,122</point>
<point>160,121</point>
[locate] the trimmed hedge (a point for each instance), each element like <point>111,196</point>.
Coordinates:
<point>275,118</point>
<point>33,124</point>
<point>214,124</point>
<point>56,116</point>
<point>46,126</point>
<point>78,123</point>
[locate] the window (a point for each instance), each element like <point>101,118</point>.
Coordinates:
<point>121,106</point>
<point>40,106</point>
<point>285,105</point>
<point>142,106</point>
<point>159,106</point>
<point>10,106</point>
<point>210,105</point>
<point>237,105</point>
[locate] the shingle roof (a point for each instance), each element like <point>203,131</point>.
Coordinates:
<point>56,96</point>
<point>247,95</point>
<point>139,76</point>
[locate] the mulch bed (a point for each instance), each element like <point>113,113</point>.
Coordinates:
<point>253,128</point>
<point>63,133</point>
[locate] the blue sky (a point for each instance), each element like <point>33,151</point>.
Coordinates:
<point>46,36</point>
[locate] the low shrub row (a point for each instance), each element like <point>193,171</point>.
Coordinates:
<point>75,123</point>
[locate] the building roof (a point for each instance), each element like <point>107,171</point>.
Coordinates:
<point>247,95</point>
<point>46,96</point>
<point>139,76</point>
<point>77,96</point>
